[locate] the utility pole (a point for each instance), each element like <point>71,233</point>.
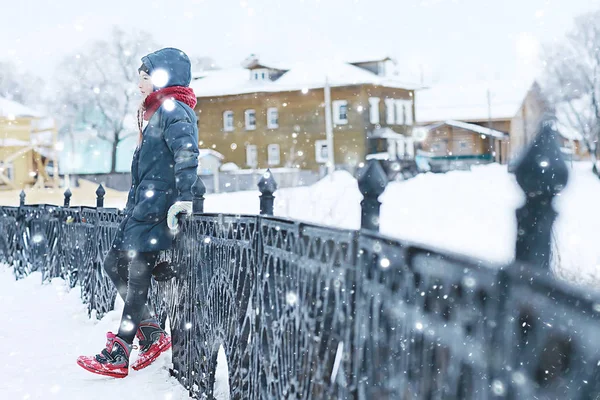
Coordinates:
<point>329,129</point>
<point>490,138</point>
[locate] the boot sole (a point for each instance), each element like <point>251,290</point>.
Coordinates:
<point>151,360</point>
<point>103,373</point>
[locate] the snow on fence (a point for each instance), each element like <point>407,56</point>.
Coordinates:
<point>304,311</point>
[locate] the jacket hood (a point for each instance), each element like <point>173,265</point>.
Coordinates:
<point>174,62</point>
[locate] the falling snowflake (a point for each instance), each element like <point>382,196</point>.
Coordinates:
<point>291,298</point>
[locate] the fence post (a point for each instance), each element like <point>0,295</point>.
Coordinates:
<point>22,198</point>
<point>371,183</point>
<point>100,192</point>
<point>267,186</point>
<point>68,195</point>
<point>542,173</point>
<point>198,191</point>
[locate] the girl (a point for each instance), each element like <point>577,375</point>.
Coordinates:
<point>162,172</point>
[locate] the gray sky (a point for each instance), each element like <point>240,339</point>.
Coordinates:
<point>454,40</point>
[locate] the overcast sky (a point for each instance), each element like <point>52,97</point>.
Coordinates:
<point>453,40</point>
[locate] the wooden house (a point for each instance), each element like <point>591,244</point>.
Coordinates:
<point>508,107</point>
<point>28,146</point>
<point>458,145</point>
<point>268,115</point>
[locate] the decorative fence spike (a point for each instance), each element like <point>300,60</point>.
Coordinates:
<point>542,173</point>
<point>68,195</point>
<point>267,186</point>
<point>371,183</point>
<point>100,192</point>
<point>22,198</point>
<point>198,191</point>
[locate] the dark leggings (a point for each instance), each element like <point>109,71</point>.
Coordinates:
<point>131,276</point>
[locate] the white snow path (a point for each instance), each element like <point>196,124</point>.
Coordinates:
<point>45,328</point>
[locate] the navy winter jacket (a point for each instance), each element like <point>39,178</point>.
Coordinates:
<point>164,165</point>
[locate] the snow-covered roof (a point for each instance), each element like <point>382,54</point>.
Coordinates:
<point>384,156</point>
<point>385,133</point>
<point>12,109</point>
<point>369,58</point>
<point>482,130</point>
<point>10,142</point>
<point>307,75</point>
<point>229,166</point>
<point>209,152</point>
<point>469,102</point>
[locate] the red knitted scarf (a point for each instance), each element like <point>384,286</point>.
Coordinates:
<point>156,99</point>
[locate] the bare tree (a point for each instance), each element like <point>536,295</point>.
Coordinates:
<point>19,86</point>
<point>571,80</point>
<point>97,87</point>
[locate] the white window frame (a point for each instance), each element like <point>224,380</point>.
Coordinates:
<point>401,148</point>
<point>340,118</point>
<point>260,74</point>
<point>228,118</point>
<point>404,114</point>
<point>390,108</point>
<point>272,118</point>
<point>319,145</point>
<point>399,104</point>
<point>374,110</point>
<point>248,120</point>
<point>251,156</point>
<point>408,112</point>
<point>273,154</point>
<point>410,148</point>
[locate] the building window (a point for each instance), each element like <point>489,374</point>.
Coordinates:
<point>251,156</point>
<point>273,155</point>
<point>390,111</point>
<point>374,110</point>
<point>228,121</point>
<point>437,147</point>
<point>321,151</point>
<point>272,118</point>
<point>399,104</point>
<point>408,112</point>
<point>410,148</point>
<point>250,120</point>
<point>7,170</point>
<point>403,112</point>
<point>340,112</point>
<point>261,74</point>
<point>463,144</point>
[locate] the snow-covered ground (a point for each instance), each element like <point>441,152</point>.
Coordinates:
<point>470,212</point>
<point>45,328</point>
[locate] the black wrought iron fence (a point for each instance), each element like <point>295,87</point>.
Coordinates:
<point>311,312</point>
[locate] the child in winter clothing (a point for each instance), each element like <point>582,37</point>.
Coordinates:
<point>163,171</point>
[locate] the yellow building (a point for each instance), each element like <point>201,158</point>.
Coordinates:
<point>267,115</point>
<point>28,145</point>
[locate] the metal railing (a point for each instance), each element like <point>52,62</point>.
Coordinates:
<point>311,312</point>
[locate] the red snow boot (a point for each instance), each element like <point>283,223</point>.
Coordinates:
<point>113,362</point>
<point>153,341</point>
<point>110,338</point>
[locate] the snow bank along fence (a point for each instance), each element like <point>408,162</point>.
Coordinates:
<point>305,311</point>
